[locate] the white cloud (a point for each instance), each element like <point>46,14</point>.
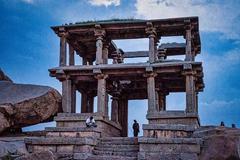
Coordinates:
<point>220,103</point>
<point>217,66</point>
<point>28,1</point>
<point>222,17</point>
<point>105,3</point>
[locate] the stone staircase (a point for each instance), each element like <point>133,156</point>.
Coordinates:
<point>117,148</point>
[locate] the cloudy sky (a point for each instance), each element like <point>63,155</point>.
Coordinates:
<point>29,47</point>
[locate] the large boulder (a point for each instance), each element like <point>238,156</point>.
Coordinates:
<point>4,77</point>
<point>24,104</point>
<point>219,143</point>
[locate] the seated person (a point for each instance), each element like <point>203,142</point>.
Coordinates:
<point>90,122</point>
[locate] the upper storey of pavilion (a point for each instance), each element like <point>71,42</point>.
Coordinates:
<point>82,37</point>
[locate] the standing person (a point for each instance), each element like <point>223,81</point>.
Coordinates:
<point>90,122</point>
<point>135,128</point>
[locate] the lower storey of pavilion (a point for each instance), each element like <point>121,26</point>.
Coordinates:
<point>168,134</point>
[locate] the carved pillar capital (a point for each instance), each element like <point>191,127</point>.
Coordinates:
<point>99,32</point>
<point>100,76</point>
<point>149,74</point>
<point>62,32</point>
<point>150,30</point>
<point>189,73</point>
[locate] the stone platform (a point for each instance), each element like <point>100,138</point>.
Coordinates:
<point>171,124</point>
<point>167,131</point>
<point>106,127</point>
<point>169,148</point>
<point>63,147</point>
<point>71,138</point>
<point>174,117</point>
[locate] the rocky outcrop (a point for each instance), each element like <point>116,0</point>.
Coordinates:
<point>24,104</point>
<point>4,77</point>
<point>12,147</point>
<point>219,143</point>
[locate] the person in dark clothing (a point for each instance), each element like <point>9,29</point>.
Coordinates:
<point>135,128</point>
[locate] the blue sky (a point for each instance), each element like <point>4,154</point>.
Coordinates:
<point>29,47</point>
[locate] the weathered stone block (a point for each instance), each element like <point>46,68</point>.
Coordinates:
<point>65,148</point>
<point>40,148</point>
<point>170,148</point>
<point>83,149</point>
<point>52,134</point>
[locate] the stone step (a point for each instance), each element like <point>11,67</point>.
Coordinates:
<point>117,149</point>
<point>72,132</point>
<point>60,141</point>
<point>115,153</point>
<point>118,146</point>
<point>64,156</point>
<point>97,157</point>
<point>71,129</point>
<point>119,140</point>
<point>163,156</point>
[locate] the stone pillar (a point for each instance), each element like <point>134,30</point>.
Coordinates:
<point>99,59</point>
<point>162,54</point>
<point>87,102</point>
<point>115,57</point>
<point>123,115</point>
<point>190,93</point>
<point>156,49</point>
<point>162,101</point>
<point>101,94</point>
<point>73,96</point>
<point>189,55</point>
<point>99,33</point>
<point>71,56</point>
<point>196,102</point>
<point>84,101</point>
<point>87,60</point>
<point>114,110</point>
<point>105,54</point>
<point>63,49</point>
<point>151,92</point>
<point>67,99</point>
<point>151,31</point>
<point>90,105</point>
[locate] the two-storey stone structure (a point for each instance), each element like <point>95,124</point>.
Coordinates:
<point>168,132</point>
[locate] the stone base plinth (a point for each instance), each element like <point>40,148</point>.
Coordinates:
<point>167,131</point>
<point>64,147</point>
<point>72,132</point>
<point>174,117</point>
<point>106,127</point>
<point>169,148</point>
